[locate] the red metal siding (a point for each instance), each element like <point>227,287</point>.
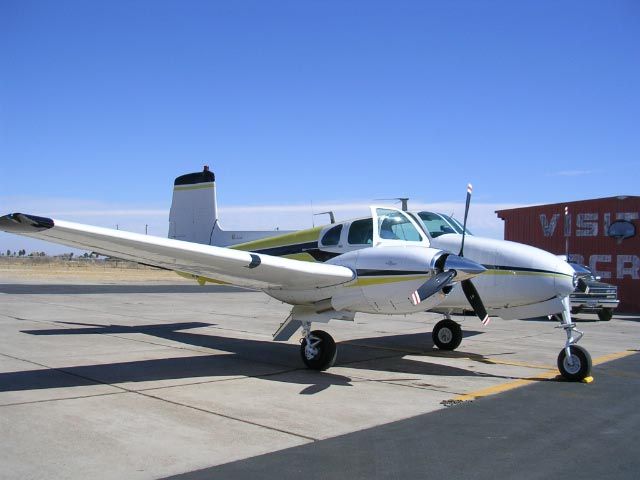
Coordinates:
<point>585,227</point>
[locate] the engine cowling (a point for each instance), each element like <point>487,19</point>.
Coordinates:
<point>386,277</point>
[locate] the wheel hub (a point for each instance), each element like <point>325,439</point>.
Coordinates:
<point>445,335</point>
<point>572,364</point>
<point>310,351</point>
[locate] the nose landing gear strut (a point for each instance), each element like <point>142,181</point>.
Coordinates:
<point>574,362</point>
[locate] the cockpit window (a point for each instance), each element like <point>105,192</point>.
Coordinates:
<point>361,232</point>
<point>438,224</point>
<point>393,225</point>
<point>332,237</point>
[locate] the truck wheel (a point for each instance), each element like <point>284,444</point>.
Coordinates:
<point>605,314</point>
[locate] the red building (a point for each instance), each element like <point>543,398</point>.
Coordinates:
<point>583,231</point>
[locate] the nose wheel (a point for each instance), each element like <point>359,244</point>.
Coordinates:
<point>574,362</point>
<point>577,365</point>
<point>318,350</point>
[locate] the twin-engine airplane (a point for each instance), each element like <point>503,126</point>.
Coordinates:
<point>394,263</point>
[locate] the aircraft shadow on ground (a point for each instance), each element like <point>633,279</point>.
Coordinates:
<point>266,360</point>
<point>79,289</point>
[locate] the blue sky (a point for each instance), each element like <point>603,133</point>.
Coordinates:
<point>300,103</point>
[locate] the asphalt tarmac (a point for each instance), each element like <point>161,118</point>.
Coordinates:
<point>547,430</point>
<point>111,379</point>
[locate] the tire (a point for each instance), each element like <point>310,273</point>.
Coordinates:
<point>605,314</point>
<point>326,352</point>
<point>447,334</point>
<point>581,368</point>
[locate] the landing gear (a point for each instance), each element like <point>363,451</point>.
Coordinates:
<point>578,366</point>
<point>574,362</point>
<point>318,349</point>
<point>447,334</point>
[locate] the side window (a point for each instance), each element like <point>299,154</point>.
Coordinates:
<point>332,237</point>
<point>361,232</point>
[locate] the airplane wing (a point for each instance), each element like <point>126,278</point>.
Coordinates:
<point>239,268</point>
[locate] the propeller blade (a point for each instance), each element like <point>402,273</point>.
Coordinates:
<point>466,213</point>
<point>432,286</point>
<point>474,300</point>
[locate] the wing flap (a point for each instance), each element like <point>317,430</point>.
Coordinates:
<point>233,266</point>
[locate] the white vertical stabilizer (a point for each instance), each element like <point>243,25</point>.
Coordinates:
<point>194,213</point>
<point>194,209</point>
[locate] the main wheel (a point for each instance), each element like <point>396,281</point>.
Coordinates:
<point>579,369</point>
<point>320,353</point>
<point>605,314</point>
<point>447,334</point>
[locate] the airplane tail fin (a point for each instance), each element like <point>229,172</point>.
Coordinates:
<point>194,209</point>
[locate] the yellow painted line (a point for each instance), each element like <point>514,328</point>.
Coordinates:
<point>613,356</point>
<point>516,364</point>
<point>485,392</point>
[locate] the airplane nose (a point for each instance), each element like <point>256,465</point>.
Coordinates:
<point>565,279</point>
<point>464,266</point>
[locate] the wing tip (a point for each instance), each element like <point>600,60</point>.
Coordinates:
<point>23,223</point>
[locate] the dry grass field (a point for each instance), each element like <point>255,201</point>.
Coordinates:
<point>56,270</point>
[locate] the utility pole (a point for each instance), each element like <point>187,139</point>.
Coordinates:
<point>566,238</point>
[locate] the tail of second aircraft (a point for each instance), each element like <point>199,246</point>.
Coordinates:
<point>194,213</point>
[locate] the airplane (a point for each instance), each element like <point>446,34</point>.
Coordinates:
<point>393,262</point>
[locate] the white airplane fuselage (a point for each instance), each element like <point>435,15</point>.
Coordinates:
<point>520,282</point>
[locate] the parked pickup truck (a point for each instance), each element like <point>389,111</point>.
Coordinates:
<point>592,295</point>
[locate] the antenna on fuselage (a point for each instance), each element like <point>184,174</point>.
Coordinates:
<point>332,217</point>
<point>403,200</point>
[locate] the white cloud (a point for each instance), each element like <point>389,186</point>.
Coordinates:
<point>482,218</point>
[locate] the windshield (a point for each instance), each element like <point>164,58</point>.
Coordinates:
<point>438,224</point>
<point>394,225</point>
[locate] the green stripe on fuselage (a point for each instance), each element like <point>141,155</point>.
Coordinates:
<point>287,239</point>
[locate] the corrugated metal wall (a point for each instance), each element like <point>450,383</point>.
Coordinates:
<point>584,229</point>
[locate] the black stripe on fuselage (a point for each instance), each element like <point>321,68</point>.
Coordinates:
<point>308,247</point>
<point>384,273</point>
<point>520,269</point>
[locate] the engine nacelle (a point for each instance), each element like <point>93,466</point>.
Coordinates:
<point>386,277</point>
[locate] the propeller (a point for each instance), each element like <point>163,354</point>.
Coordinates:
<point>466,213</point>
<point>474,300</point>
<point>432,286</point>
<point>449,270</point>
